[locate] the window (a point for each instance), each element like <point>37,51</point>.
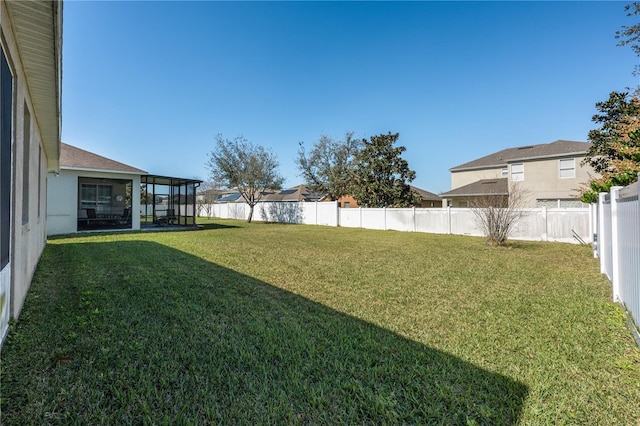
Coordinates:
<point>567,168</point>
<point>347,204</point>
<point>505,172</point>
<point>517,172</point>
<point>26,157</point>
<point>95,196</point>
<point>6,104</point>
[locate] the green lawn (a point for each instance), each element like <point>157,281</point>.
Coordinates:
<point>290,324</point>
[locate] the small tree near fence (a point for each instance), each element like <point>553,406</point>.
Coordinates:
<point>249,169</point>
<point>206,197</point>
<point>497,214</point>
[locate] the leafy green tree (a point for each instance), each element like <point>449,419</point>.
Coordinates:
<point>250,169</point>
<point>381,176</point>
<point>145,197</point>
<point>328,166</point>
<point>615,149</point>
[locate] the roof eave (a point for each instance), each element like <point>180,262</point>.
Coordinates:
<point>445,195</point>
<point>37,28</point>
<point>87,169</point>
<point>464,169</point>
<point>542,157</point>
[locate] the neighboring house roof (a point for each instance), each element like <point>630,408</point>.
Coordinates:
<point>559,148</point>
<point>426,195</point>
<point>481,187</point>
<point>79,159</point>
<point>296,193</point>
<point>230,198</point>
<point>216,192</point>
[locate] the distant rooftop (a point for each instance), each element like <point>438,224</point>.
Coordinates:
<point>426,195</point>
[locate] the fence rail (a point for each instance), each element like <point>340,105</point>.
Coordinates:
<point>569,225</point>
<point>618,244</point>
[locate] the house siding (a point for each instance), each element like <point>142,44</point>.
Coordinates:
<point>62,215</point>
<point>541,179</point>
<point>28,227</point>
<point>462,178</point>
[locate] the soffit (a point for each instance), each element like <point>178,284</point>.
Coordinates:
<point>37,27</point>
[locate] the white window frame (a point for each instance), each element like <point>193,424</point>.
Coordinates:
<point>517,172</point>
<point>504,172</point>
<point>563,167</point>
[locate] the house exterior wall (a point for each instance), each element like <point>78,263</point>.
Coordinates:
<point>347,201</point>
<point>467,177</point>
<point>353,203</point>
<point>430,204</point>
<point>29,159</point>
<point>62,212</point>
<point>541,181</point>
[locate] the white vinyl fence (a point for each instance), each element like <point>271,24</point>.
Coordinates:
<point>569,225</point>
<point>617,220</point>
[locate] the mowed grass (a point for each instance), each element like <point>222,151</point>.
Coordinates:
<point>289,324</point>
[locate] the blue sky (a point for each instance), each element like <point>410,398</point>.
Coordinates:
<point>150,84</point>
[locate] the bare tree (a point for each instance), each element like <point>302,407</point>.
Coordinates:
<point>250,169</point>
<point>206,197</point>
<point>497,214</point>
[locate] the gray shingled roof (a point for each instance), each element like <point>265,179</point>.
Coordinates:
<point>76,158</point>
<point>482,187</point>
<point>296,193</point>
<point>426,195</point>
<point>558,148</point>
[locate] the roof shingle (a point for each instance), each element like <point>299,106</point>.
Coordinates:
<point>558,148</point>
<point>481,187</point>
<point>76,158</point>
<point>426,195</point>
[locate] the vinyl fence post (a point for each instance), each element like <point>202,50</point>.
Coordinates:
<point>615,249</point>
<point>384,214</point>
<point>449,219</point>
<point>604,233</point>
<point>414,218</point>
<point>545,218</point>
<point>593,228</point>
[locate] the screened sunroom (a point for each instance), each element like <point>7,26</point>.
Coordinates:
<point>168,201</point>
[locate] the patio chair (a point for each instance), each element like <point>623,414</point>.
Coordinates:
<point>126,217</point>
<point>171,217</point>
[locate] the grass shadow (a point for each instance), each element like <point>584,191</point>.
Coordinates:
<point>137,332</point>
<point>216,225</point>
<point>146,230</point>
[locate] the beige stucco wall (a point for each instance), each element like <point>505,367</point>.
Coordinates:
<point>541,179</point>
<point>466,177</point>
<point>62,213</point>
<point>27,239</point>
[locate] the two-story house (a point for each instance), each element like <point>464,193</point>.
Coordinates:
<point>547,175</point>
